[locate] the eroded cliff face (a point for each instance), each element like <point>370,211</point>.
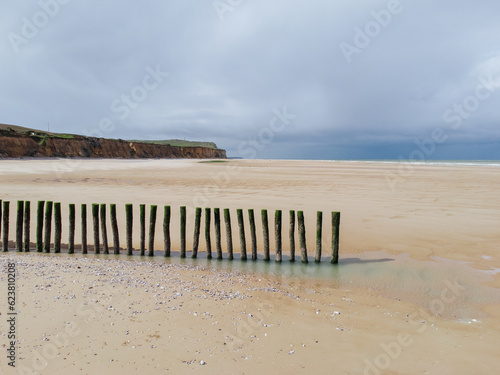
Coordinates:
<point>15,146</point>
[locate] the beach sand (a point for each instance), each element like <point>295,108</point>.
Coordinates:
<point>416,290</point>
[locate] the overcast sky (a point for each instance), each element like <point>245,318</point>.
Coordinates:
<point>317,79</point>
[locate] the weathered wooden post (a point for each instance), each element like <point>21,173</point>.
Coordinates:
<point>71,238</point>
<point>253,234</point>
<point>47,226</point>
<point>265,229</point>
<point>302,236</point>
<point>27,226</point>
<point>183,231</point>
<point>5,219</point>
<point>84,228</point>
<point>142,218</point>
<point>114,228</point>
<point>218,244</point>
<point>291,233</point>
<point>319,235</point>
<point>229,235</point>
<point>19,226</point>
<point>196,235</point>
<point>104,229</point>
<point>243,241</point>
<point>208,240</point>
<point>129,214</point>
<point>39,226</point>
<point>57,227</point>
<point>277,234</point>
<point>166,231</point>
<point>335,237</point>
<point>95,218</point>
<point>152,229</point>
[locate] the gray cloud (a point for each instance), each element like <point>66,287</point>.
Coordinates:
<point>226,77</point>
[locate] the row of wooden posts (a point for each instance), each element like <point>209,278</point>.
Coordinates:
<point>45,211</point>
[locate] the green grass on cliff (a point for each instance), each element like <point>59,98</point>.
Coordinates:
<point>65,136</point>
<point>20,129</point>
<point>180,143</point>
<point>14,129</point>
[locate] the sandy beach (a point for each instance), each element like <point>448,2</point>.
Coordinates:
<point>416,291</point>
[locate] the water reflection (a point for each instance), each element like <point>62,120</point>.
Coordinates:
<point>359,260</point>
<point>393,276</point>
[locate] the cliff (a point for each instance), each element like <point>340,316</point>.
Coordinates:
<point>15,145</point>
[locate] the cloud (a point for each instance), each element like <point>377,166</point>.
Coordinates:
<point>226,77</point>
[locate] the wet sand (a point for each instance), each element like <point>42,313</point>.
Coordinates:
<point>416,290</point>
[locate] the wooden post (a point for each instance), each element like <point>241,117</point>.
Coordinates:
<point>104,229</point>
<point>152,228</point>
<point>218,244</point>
<point>47,226</point>
<point>302,236</point>
<point>183,231</point>
<point>39,226</point>
<point>166,231</point>
<point>142,218</point>
<point>19,226</point>
<point>335,237</point>
<point>129,214</point>
<point>291,234</point>
<point>319,234</point>
<point>265,229</point>
<point>243,241</point>
<point>196,235</point>
<point>95,218</point>
<point>208,240</point>
<point>27,224</point>
<point>229,235</point>
<point>71,238</point>
<point>84,228</point>
<point>57,227</point>
<point>5,233</point>
<point>114,228</point>
<point>277,234</point>
<point>253,234</point>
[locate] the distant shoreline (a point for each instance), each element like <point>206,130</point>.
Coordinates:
<point>490,163</point>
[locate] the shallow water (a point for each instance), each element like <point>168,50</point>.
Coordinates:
<point>451,289</point>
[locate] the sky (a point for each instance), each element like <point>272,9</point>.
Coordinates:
<point>285,79</point>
